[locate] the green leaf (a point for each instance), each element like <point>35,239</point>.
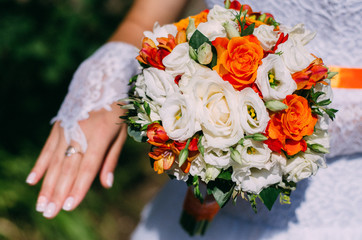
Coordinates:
<point>248,31</point>
<point>138,136</point>
<point>197,39</point>
<point>226,175</point>
<point>331,112</point>
<point>147,108</point>
<point>252,199</point>
<point>324,102</point>
<point>269,196</point>
<point>331,75</point>
<point>221,190</point>
<point>133,79</point>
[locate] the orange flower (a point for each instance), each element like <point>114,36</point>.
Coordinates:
<point>163,159</point>
<point>193,152</point>
<point>314,73</point>
<point>287,128</point>
<point>157,135</point>
<point>238,60</point>
<point>151,55</point>
<point>199,18</point>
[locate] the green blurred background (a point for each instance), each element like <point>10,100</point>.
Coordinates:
<point>42,42</point>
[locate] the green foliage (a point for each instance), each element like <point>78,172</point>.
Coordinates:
<point>41,45</point>
<point>197,39</point>
<point>269,196</point>
<point>244,31</point>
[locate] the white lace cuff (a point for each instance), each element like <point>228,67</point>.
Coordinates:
<point>98,82</point>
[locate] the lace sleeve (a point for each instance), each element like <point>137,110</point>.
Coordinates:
<point>98,82</point>
<point>346,130</point>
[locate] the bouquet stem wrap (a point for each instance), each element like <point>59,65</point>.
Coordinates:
<point>196,216</point>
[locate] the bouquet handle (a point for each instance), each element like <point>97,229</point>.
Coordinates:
<point>197,216</point>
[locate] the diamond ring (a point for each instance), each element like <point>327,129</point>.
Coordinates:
<point>71,150</point>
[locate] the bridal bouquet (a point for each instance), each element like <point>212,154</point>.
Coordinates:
<point>231,101</point>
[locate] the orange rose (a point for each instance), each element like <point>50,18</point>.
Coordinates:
<point>199,18</point>
<point>238,60</point>
<point>289,126</point>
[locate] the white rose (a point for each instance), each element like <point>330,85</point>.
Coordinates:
<point>254,116</point>
<point>178,117</point>
<point>295,56</point>
<point>254,154</point>
<point>212,29</point>
<point>216,157</point>
<point>159,84</point>
<point>221,14</point>
<point>216,105</point>
<point>205,171</point>
<point>159,31</point>
<point>303,166</point>
<point>179,62</point>
<point>257,179</point>
<point>299,33</point>
<point>267,36</point>
<point>319,137</point>
<point>283,82</point>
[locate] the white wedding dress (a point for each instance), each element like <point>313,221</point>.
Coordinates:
<point>326,206</point>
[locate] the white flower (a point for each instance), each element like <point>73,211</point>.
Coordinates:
<point>179,62</point>
<point>303,166</point>
<point>158,84</point>
<point>216,157</point>
<point>154,115</point>
<point>254,154</point>
<point>212,29</point>
<point>178,117</point>
<point>299,33</point>
<point>319,137</point>
<point>221,14</point>
<point>267,36</point>
<point>283,83</point>
<point>159,31</point>
<point>257,179</point>
<point>295,56</point>
<point>205,171</point>
<point>254,116</point>
<point>178,173</point>
<point>216,102</point>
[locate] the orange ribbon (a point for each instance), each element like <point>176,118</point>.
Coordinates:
<point>346,77</point>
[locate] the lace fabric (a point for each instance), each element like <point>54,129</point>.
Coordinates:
<point>98,82</point>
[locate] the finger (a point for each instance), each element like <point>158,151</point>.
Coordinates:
<point>51,175</point>
<point>68,172</point>
<point>88,170</point>
<point>112,157</point>
<point>45,156</point>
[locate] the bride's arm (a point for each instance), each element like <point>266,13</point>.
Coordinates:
<point>85,120</point>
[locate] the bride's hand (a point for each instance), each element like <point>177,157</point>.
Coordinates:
<point>68,178</point>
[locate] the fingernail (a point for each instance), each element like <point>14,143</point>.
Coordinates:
<point>110,179</point>
<point>31,178</point>
<point>68,204</point>
<point>49,210</point>
<point>41,204</point>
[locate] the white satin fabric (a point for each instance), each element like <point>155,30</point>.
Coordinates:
<point>326,206</point>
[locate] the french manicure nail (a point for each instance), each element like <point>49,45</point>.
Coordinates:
<point>41,204</point>
<point>31,178</point>
<point>49,210</point>
<point>68,204</point>
<point>110,179</point>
